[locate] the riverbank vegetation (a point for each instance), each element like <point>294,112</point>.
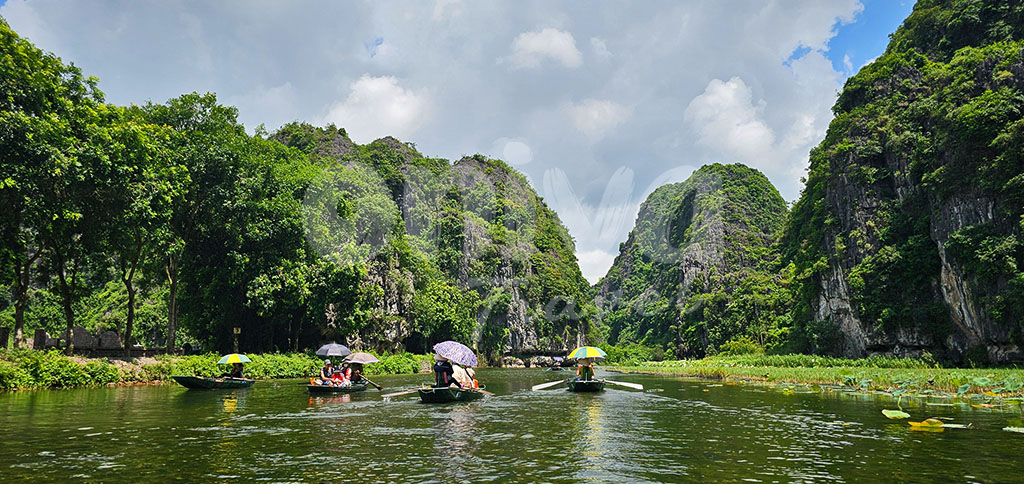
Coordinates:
<point>897,376</point>
<point>23,369</point>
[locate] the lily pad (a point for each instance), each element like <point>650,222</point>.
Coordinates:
<point>931,423</point>
<point>895,414</point>
<point>1019,430</point>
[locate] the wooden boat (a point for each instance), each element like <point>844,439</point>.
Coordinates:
<point>447,395</point>
<point>356,387</point>
<point>212,383</point>
<point>556,368</point>
<point>585,385</point>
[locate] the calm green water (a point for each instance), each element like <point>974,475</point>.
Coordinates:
<point>685,431</point>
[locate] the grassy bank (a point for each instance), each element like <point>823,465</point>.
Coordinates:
<point>893,375</point>
<point>22,369</point>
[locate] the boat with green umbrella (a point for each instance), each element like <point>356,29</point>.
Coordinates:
<point>231,380</point>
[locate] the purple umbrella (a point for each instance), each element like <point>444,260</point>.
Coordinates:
<point>333,349</point>
<point>456,352</point>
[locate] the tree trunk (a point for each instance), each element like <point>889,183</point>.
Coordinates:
<point>172,304</point>
<point>65,293</point>
<point>22,279</point>
<point>130,322</point>
<point>127,276</point>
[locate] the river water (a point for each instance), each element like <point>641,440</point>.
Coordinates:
<point>678,430</point>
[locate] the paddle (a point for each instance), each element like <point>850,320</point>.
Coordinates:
<point>378,387</point>
<point>485,392</point>
<point>635,386</point>
<point>546,385</point>
<point>396,394</point>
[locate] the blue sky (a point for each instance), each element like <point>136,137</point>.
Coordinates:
<point>597,103</point>
<point>867,37</point>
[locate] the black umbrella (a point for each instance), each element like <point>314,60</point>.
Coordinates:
<point>333,349</point>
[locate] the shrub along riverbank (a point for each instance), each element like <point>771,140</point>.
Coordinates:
<point>23,369</point>
<point>898,376</point>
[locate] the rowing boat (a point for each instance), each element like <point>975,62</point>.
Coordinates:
<point>356,387</point>
<point>585,385</point>
<point>212,383</point>
<point>447,395</point>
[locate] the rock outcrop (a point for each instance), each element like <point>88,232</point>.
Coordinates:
<point>691,240</point>
<point>908,236</point>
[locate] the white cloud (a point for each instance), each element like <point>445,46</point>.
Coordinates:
<point>595,117</point>
<point>517,153</point>
<point>594,264</point>
<point>727,120</point>
<point>378,107</point>
<point>530,49</point>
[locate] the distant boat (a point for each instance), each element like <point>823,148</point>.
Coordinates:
<point>203,383</point>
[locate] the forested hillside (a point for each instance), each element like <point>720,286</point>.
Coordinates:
<point>168,223</point>
<point>700,268</point>
<point>908,236</point>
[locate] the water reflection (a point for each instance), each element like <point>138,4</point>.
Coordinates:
<point>456,442</point>
<point>335,399</point>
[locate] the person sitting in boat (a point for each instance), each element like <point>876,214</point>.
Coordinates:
<point>326,373</point>
<point>586,370</point>
<point>236,371</point>
<point>464,375</point>
<point>444,374</point>
<point>357,372</point>
<point>343,377</point>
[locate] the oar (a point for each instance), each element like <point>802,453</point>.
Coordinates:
<point>396,394</point>
<point>485,392</point>
<point>635,386</point>
<point>546,385</point>
<point>378,387</point>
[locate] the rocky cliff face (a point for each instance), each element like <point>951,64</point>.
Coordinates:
<point>694,244</point>
<point>907,237</point>
<point>463,250</point>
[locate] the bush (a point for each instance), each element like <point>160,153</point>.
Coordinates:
<point>741,346</point>
<point>12,376</point>
<point>102,373</point>
<point>400,363</point>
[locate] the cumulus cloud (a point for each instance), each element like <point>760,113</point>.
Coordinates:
<point>727,120</point>
<point>595,117</point>
<point>378,107</point>
<point>530,49</point>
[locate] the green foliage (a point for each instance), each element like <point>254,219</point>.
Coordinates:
<point>632,354</point>
<point>398,363</point>
<point>924,132</point>
<point>723,212</point>
<point>740,346</point>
